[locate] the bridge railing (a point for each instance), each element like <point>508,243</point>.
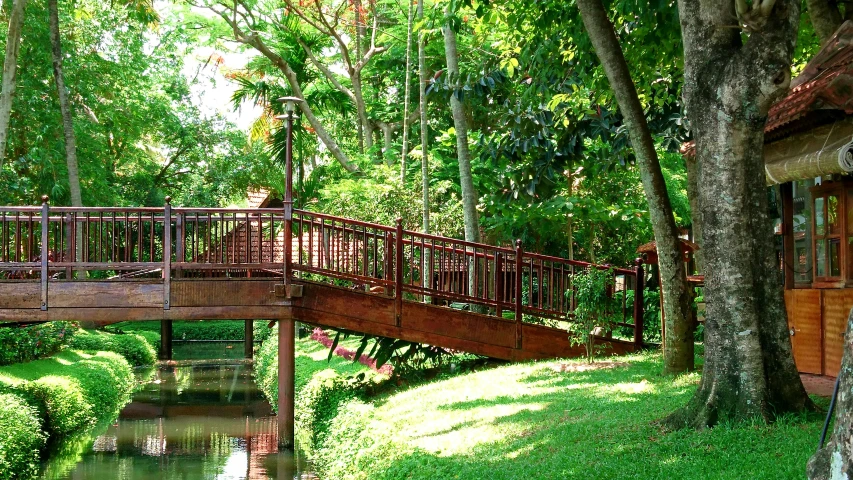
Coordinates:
<point>166,243</point>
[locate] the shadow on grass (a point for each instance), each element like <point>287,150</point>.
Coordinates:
<point>596,424</point>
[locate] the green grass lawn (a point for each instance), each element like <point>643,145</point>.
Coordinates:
<point>529,421</point>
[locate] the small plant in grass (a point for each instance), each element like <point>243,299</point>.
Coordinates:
<point>595,308</point>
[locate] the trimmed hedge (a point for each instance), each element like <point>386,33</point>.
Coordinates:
<point>55,397</point>
<point>135,348</point>
<point>22,437</point>
<point>197,329</point>
<point>26,343</point>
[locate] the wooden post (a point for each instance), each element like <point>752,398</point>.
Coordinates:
<point>286,377</point>
<point>638,304</point>
<point>71,250</point>
<point>787,191</point>
<point>398,273</point>
<point>519,252</point>
<point>45,250</point>
<point>249,339</point>
<point>499,284</point>
<point>180,253</point>
<point>165,339</point>
<point>167,253</point>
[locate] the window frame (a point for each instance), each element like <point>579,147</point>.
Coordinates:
<point>824,191</point>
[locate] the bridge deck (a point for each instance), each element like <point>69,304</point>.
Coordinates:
<point>116,264</point>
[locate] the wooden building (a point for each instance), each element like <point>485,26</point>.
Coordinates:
<point>808,161</point>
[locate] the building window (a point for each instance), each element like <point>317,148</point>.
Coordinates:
<point>830,241</point>
<point>802,228</point>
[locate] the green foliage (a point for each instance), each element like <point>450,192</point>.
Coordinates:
<point>55,397</point>
<point>63,402</point>
<point>153,338</point>
<point>595,310</point>
<point>651,316</point>
<point>193,330</point>
<point>23,344</point>
<point>22,437</point>
<point>349,449</point>
<point>135,348</point>
<point>318,402</point>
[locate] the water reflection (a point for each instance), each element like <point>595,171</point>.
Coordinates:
<point>191,420</point>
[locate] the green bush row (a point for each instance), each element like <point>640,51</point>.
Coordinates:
<point>54,397</point>
<point>26,343</point>
<point>22,437</point>
<point>198,330</point>
<point>137,349</point>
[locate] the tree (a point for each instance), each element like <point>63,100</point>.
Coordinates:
<point>65,107</point>
<point>246,25</point>
<point>835,460</point>
<point>10,67</point>
<point>827,15</point>
<point>405,149</point>
<point>422,81</point>
<point>732,77</point>
<point>677,298</point>
<point>460,123</point>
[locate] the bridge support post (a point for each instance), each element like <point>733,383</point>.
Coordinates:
<point>286,377</point>
<point>249,339</point>
<point>165,339</point>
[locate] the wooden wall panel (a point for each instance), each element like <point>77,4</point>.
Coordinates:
<point>20,295</point>
<point>105,294</point>
<point>804,307</point>
<point>836,308</point>
<point>207,293</point>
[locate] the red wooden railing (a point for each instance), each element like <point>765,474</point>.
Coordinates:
<point>127,243</point>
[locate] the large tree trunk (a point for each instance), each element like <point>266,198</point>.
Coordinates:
<point>65,108</point>
<point>835,460</point>
<point>729,87</point>
<point>678,348</point>
<point>469,194</point>
<point>407,95</point>
<point>10,67</point>
<point>825,18</point>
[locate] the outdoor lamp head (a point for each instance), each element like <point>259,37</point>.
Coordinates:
<point>290,103</point>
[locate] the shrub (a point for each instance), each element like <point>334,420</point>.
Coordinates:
<point>22,437</point>
<point>266,369</point>
<point>196,329</point>
<point>107,381</point>
<point>23,344</point>
<point>352,443</point>
<point>153,338</point>
<point>595,307</point>
<point>318,403</point>
<point>135,348</point>
<point>63,402</point>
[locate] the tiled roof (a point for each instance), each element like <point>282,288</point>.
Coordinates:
<point>824,87</point>
<point>257,199</point>
<point>825,84</point>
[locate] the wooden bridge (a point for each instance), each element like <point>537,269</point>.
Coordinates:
<point>116,264</point>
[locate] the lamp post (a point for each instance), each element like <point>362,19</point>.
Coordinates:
<point>287,326</point>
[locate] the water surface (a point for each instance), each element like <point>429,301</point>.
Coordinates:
<point>191,420</point>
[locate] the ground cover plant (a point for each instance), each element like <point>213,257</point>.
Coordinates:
<point>136,349</point>
<point>555,420</point>
<point>51,398</point>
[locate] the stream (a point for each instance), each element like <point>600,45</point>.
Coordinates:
<point>190,419</point>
